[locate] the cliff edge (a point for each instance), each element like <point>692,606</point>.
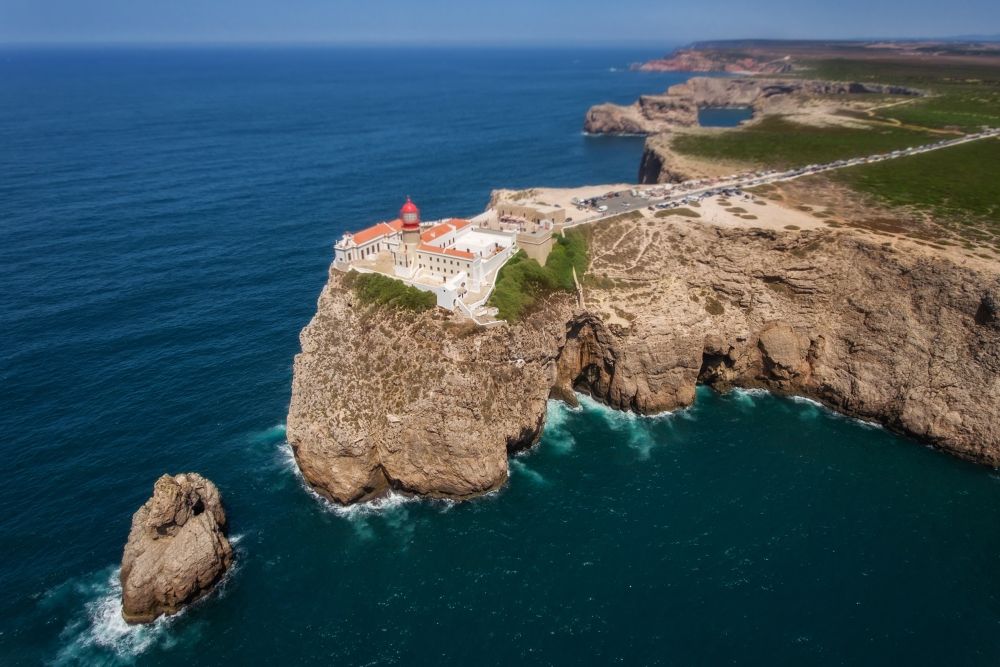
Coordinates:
<point>428,404</point>
<point>678,106</point>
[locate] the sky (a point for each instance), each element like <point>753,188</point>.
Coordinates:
<point>485,21</point>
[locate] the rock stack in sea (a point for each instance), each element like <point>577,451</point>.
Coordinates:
<point>177,549</point>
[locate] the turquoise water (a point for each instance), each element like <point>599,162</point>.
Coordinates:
<point>723,116</point>
<point>166,219</point>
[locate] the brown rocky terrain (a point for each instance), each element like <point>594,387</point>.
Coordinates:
<point>430,405</point>
<point>176,550</point>
<point>678,107</point>
<point>697,60</point>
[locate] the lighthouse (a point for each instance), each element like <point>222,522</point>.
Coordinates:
<point>405,253</point>
<point>410,215</point>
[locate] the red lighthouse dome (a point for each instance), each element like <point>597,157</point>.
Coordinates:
<point>410,215</point>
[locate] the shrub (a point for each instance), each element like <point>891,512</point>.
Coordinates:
<point>374,288</point>
<point>685,212</point>
<point>522,280</point>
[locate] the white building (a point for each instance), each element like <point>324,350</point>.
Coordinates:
<point>453,258</point>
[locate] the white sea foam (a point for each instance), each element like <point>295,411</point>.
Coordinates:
<point>522,468</point>
<point>807,401</point>
<point>382,505</point>
<point>591,405</point>
<point>100,634</point>
<point>97,633</point>
<point>557,430</point>
<point>747,395</point>
<point>830,412</point>
<point>634,428</point>
<point>273,434</point>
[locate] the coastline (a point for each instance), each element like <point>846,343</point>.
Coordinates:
<point>786,328</point>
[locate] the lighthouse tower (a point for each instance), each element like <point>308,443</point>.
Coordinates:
<point>410,215</point>
<point>405,256</point>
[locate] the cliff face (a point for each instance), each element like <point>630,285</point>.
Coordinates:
<point>697,60</point>
<point>661,164</point>
<point>422,404</point>
<point>679,106</point>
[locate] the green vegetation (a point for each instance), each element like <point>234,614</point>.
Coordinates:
<point>957,186</point>
<point>952,183</point>
<point>962,95</point>
<point>522,280</point>
<point>685,212</point>
<point>374,288</point>
<point>779,142</point>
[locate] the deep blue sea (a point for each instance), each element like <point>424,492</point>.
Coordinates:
<point>723,116</point>
<point>166,221</point>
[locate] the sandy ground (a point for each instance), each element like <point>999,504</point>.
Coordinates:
<point>784,212</point>
<point>732,212</point>
<point>755,212</point>
<point>563,197</point>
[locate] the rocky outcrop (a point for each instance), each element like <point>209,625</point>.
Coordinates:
<point>387,399</point>
<point>176,550</point>
<point>661,164</point>
<point>678,107</point>
<point>698,60</point>
<point>644,376</point>
<point>428,405</point>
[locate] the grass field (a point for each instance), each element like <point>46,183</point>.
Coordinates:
<point>959,187</point>
<point>965,96</point>
<point>958,183</point>
<point>778,142</point>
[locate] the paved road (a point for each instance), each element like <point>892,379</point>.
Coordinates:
<point>623,201</point>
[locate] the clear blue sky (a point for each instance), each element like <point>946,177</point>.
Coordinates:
<point>493,21</point>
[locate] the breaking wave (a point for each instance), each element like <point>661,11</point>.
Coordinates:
<point>273,434</point>
<point>522,469</point>
<point>97,633</point>
<point>558,431</point>
<point>633,428</point>
<point>386,504</point>
<point>747,396</point>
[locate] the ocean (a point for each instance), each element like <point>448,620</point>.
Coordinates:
<point>166,222</point>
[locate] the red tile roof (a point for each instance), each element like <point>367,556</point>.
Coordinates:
<point>443,228</point>
<point>377,231</point>
<point>451,252</point>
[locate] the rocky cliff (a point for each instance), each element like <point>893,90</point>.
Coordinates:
<point>426,404</point>
<point>421,403</point>
<point>678,107</point>
<point>176,550</point>
<point>706,60</point>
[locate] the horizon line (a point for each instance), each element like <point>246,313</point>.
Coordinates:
<point>671,42</point>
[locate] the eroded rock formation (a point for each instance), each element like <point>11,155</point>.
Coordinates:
<point>678,107</point>
<point>388,399</point>
<point>177,548</point>
<point>709,60</point>
<point>428,405</point>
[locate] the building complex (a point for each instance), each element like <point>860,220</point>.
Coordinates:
<point>455,258</point>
